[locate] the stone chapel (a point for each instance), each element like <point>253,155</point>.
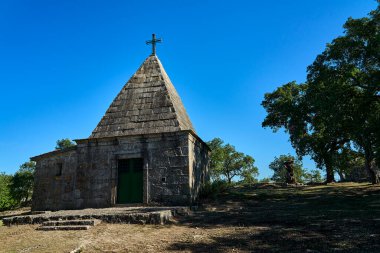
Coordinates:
<point>143,151</point>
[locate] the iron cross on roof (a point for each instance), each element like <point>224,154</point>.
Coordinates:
<point>153,42</point>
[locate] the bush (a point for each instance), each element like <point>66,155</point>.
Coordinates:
<point>6,200</point>
<point>17,190</point>
<point>21,186</point>
<point>211,190</point>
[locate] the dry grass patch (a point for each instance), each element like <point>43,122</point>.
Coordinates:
<point>175,238</point>
<point>26,239</point>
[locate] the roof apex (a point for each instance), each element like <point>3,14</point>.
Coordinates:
<point>148,103</point>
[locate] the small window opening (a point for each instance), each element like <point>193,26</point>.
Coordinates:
<point>59,171</point>
<point>163,179</point>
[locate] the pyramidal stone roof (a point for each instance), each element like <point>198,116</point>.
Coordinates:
<point>148,103</point>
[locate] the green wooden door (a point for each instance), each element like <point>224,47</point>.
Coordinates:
<point>130,181</point>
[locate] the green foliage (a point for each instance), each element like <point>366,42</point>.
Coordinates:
<point>64,144</point>
<point>265,180</point>
<point>6,200</point>
<point>289,108</point>
<point>216,158</point>
<point>17,189</point>
<point>279,170</point>
<point>28,167</point>
<point>344,81</point>
<point>350,165</point>
<point>226,162</point>
<point>21,185</point>
<point>211,190</point>
<point>339,104</point>
<point>314,176</point>
<point>249,176</point>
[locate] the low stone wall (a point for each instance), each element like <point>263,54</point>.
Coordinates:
<point>132,215</point>
<point>159,217</point>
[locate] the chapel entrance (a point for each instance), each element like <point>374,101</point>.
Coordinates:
<point>130,181</point>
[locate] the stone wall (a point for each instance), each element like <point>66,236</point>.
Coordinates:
<point>55,181</point>
<point>175,165</point>
<point>198,165</point>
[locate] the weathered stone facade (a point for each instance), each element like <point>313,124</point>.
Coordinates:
<point>147,120</point>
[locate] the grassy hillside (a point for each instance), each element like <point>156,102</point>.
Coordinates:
<point>338,217</point>
<point>333,218</point>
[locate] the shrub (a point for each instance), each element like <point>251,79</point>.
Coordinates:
<point>211,190</point>
<point>6,200</point>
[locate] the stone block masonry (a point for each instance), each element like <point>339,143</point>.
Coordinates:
<point>86,217</point>
<point>86,176</point>
<point>144,150</point>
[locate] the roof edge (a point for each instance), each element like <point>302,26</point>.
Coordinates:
<point>54,152</point>
<point>78,141</point>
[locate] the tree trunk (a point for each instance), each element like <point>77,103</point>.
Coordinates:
<point>229,178</point>
<point>373,175</point>
<point>342,176</point>
<point>290,178</point>
<point>329,173</point>
<point>369,165</point>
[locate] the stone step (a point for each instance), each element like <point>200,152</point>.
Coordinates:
<point>71,223</point>
<point>143,215</point>
<point>72,227</point>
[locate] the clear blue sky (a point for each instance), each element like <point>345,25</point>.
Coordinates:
<point>63,62</point>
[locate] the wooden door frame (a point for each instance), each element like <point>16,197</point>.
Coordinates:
<point>141,184</point>
<point>146,167</point>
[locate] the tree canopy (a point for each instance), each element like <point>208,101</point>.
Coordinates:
<point>21,186</point>
<point>227,163</point>
<point>64,144</point>
<point>6,200</point>
<point>338,107</point>
<point>279,171</point>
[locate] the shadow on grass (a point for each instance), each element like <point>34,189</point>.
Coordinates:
<point>280,239</point>
<point>323,219</point>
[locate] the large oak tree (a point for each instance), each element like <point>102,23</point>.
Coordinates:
<point>339,104</point>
